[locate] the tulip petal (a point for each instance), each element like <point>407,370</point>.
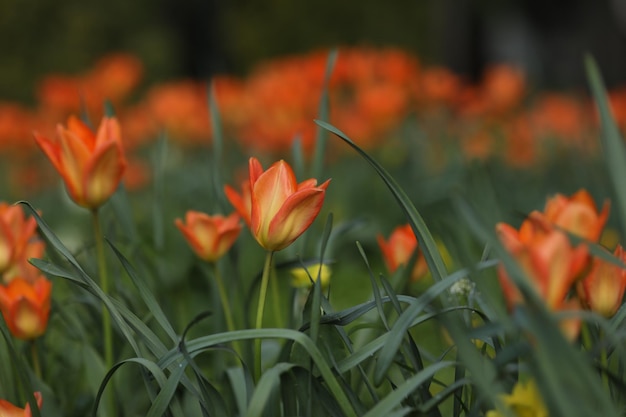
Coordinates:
<point>294,217</point>
<point>108,131</point>
<point>81,130</point>
<point>103,174</point>
<point>242,207</point>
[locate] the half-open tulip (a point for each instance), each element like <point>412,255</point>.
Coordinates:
<point>399,248</point>
<point>602,289</point>
<point>18,243</point>
<point>210,237</point>
<point>577,214</point>
<point>9,410</point>
<point>91,164</point>
<point>281,209</point>
<point>26,306</point>
<point>549,260</point>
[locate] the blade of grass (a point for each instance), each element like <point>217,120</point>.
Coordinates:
<point>612,141</point>
<point>324,110</point>
<point>302,339</point>
<point>394,399</point>
<point>424,237</point>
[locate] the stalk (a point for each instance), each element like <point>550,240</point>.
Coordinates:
<point>107,330</point>
<point>260,309</point>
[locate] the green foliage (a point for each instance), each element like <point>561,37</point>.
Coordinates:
<point>367,345</point>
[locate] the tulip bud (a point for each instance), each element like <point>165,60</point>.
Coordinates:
<point>91,165</point>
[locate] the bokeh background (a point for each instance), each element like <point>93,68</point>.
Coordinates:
<point>200,38</point>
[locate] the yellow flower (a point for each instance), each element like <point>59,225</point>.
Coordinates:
<point>301,277</point>
<point>524,401</point>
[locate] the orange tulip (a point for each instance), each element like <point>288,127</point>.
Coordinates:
<point>26,306</point>
<point>399,249</point>
<point>603,288</point>
<point>577,214</point>
<point>209,236</point>
<point>18,243</point>
<point>281,209</point>
<point>9,410</point>
<point>91,165</point>
<point>549,261</point>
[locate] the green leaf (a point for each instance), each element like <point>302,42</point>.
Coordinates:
<point>424,237</point>
<point>264,388</point>
<point>318,358</point>
<point>612,140</point>
<point>147,296</point>
<point>395,398</point>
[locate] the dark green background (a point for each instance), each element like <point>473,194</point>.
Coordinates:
<point>198,38</point>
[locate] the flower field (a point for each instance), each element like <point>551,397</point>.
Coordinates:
<point>340,233</point>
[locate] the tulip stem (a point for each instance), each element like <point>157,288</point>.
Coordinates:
<point>35,357</point>
<point>107,330</point>
<point>228,315</point>
<point>278,322</point>
<point>260,309</point>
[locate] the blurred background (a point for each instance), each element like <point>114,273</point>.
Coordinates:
<point>200,38</point>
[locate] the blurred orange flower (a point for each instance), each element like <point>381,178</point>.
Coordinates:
<point>504,87</point>
<point>26,306</point>
<point>18,243</point>
<point>550,262</point>
<point>209,236</point>
<point>281,209</point>
<point>181,108</point>
<point>91,165</point>
<point>602,290</point>
<point>577,214</point>
<point>399,248</point>
<point>9,410</point>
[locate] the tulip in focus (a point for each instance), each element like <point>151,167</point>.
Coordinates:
<point>399,248</point>
<point>602,290</point>
<point>26,306</point>
<point>210,237</point>
<point>577,214</point>
<point>281,209</point>
<point>18,243</point>
<point>91,165</point>
<point>9,410</point>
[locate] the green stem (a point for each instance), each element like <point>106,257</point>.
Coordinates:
<point>604,362</point>
<point>260,309</point>
<point>35,357</point>
<point>107,330</point>
<point>276,297</point>
<point>224,297</point>
<point>230,322</point>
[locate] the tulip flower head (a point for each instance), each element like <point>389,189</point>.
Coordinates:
<point>549,260</point>
<point>577,214</point>
<point>399,248</point>
<point>210,237</point>
<point>304,277</point>
<point>18,243</point>
<point>91,165</point>
<point>525,400</point>
<point>602,290</point>
<point>26,306</point>
<point>9,410</point>
<point>281,209</point>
